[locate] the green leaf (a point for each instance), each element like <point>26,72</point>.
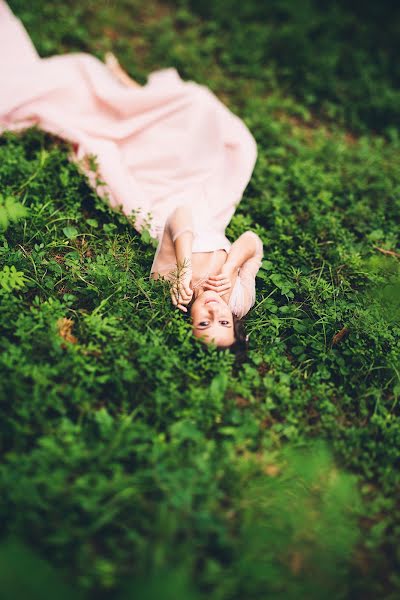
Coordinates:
<point>70,232</point>
<point>92,222</point>
<point>11,279</point>
<point>11,211</point>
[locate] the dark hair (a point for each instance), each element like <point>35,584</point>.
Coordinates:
<point>241,344</point>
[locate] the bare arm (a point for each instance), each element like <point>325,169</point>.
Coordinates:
<point>180,226</point>
<point>243,249</point>
<point>116,69</point>
<point>246,254</point>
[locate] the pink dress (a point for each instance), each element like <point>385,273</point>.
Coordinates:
<point>167,143</point>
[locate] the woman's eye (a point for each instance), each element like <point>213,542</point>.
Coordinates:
<point>203,323</point>
<point>224,322</point>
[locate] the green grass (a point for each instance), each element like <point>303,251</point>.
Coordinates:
<point>339,58</point>
<point>137,462</point>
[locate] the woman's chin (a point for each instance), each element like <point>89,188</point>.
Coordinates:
<point>210,294</point>
<point>204,298</point>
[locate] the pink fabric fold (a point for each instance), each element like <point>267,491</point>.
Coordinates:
<point>167,143</point>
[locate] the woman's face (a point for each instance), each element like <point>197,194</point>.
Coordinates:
<point>212,319</point>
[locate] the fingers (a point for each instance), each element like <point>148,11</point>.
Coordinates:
<point>218,283</point>
<point>179,303</point>
<point>184,296</point>
<point>188,290</point>
<point>218,289</point>
<point>173,297</point>
<point>218,277</point>
<point>181,296</point>
<point>222,291</point>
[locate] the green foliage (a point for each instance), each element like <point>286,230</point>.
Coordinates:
<point>24,575</point>
<point>237,523</point>
<point>11,279</point>
<point>307,502</point>
<point>11,211</point>
<point>338,58</point>
<point>137,461</point>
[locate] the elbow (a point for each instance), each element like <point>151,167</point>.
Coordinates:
<point>254,242</point>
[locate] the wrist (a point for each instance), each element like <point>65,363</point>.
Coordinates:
<point>229,269</point>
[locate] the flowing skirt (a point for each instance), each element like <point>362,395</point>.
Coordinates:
<point>167,143</point>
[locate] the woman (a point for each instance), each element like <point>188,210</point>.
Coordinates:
<point>219,284</point>
<point>205,270</point>
<point>169,153</point>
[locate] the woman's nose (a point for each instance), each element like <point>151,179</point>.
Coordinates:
<point>215,309</point>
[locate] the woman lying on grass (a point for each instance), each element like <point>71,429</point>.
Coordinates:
<point>169,149</point>
<point>217,286</point>
<point>208,275</point>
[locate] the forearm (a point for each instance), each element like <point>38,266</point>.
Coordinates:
<point>181,230</point>
<point>241,250</point>
<point>183,249</point>
<point>182,291</point>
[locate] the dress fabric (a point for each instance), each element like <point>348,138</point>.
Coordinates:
<point>243,295</point>
<point>168,143</point>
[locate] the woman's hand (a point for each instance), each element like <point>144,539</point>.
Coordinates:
<point>218,283</point>
<point>181,291</point>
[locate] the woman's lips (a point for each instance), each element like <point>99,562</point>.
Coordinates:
<point>211,300</point>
